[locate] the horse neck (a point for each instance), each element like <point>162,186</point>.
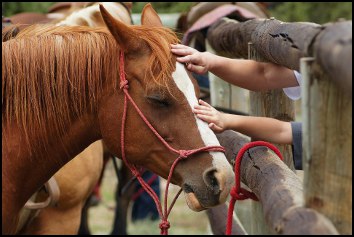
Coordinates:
<point>30,157</point>
<point>34,166</point>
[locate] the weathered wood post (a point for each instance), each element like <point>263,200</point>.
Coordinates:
<point>224,95</point>
<point>274,104</point>
<point>327,147</point>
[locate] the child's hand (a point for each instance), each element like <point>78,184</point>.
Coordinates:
<point>207,113</point>
<point>195,61</point>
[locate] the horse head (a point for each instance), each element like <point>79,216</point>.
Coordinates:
<point>165,93</point>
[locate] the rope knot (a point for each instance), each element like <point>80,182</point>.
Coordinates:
<point>242,194</point>
<point>164,225</point>
<point>124,84</point>
<point>183,154</point>
<point>234,194</point>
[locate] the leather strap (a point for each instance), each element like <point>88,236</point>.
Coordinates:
<point>53,198</point>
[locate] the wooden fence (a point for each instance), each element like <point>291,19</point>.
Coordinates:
<point>322,204</point>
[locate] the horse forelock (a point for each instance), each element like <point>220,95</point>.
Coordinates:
<point>161,63</point>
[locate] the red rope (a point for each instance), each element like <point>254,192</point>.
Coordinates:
<point>238,193</point>
<point>183,154</point>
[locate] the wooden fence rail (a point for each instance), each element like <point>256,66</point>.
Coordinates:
<point>277,187</point>
<point>285,43</point>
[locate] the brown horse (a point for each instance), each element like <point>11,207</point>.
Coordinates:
<point>60,93</point>
<point>75,187</point>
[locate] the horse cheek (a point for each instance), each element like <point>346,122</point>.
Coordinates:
<point>109,120</point>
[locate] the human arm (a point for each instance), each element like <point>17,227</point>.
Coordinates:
<point>248,74</point>
<point>261,128</point>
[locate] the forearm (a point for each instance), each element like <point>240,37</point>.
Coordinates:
<point>252,75</point>
<point>260,128</point>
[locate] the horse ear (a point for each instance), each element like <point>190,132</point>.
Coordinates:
<point>124,35</point>
<point>149,16</point>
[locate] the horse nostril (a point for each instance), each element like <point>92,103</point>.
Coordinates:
<point>212,180</point>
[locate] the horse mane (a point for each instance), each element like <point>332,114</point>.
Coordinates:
<point>51,74</point>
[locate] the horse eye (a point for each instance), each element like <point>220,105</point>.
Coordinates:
<point>158,100</point>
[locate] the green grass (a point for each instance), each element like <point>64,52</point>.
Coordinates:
<point>183,221</point>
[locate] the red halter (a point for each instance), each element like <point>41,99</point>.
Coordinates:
<point>164,225</point>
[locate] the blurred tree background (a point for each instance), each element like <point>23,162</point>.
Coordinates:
<point>318,12</point>
<point>164,7</point>
<point>11,8</point>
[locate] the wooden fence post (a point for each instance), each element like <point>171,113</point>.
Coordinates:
<point>224,95</point>
<point>327,147</point>
<point>274,104</point>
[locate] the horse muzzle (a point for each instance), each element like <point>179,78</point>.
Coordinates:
<point>213,192</point>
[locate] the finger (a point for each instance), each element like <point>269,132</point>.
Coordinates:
<point>195,68</point>
<point>186,51</point>
<point>179,46</point>
<point>204,112</point>
<point>214,127</point>
<point>202,107</point>
<point>202,102</point>
<point>185,59</point>
<point>205,118</point>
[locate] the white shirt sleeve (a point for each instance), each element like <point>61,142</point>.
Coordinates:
<point>294,93</point>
